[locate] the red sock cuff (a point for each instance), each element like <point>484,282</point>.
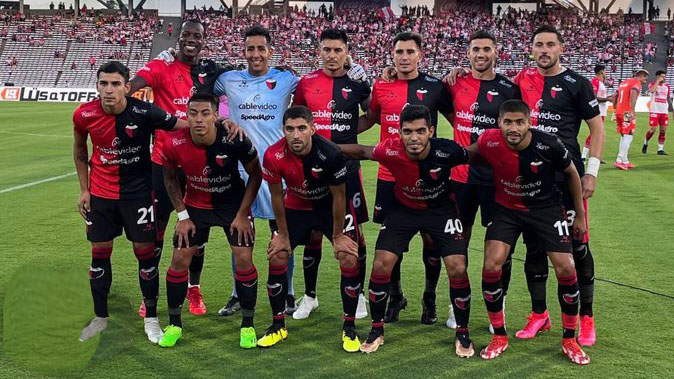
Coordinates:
<point>315,246</point>
<point>497,319</point>
<point>144,253</point>
<point>246,275</point>
<point>459,282</point>
<point>569,321</point>
<point>567,280</point>
<point>278,270</point>
<point>380,279</point>
<point>350,272</point>
<point>491,277</point>
<point>101,252</point>
<point>176,276</point>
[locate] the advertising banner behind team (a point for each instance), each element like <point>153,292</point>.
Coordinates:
<point>47,94</point>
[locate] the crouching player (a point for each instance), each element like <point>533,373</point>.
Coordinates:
<point>314,200</point>
<point>525,162</point>
<point>215,195</point>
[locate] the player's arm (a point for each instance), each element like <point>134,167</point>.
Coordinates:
<point>598,134</point>
<point>474,156</point>
<point>185,227</point>
<point>136,83</point>
<point>242,224</point>
<point>280,244</point>
<point>365,105</point>
<point>366,121</point>
<point>355,151</point>
<point>81,157</point>
<point>634,95</point>
<point>340,241</point>
<point>575,188</point>
<point>653,87</point>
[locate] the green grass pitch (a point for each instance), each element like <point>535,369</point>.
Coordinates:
<point>45,298</point>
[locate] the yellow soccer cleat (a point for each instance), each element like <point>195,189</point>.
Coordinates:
<point>350,341</point>
<point>273,335</point>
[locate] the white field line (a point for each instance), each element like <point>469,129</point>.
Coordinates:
<point>10,189</point>
<point>36,135</point>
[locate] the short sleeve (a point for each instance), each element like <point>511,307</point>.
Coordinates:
<point>160,119</point>
<point>517,93</point>
<point>246,151</point>
<point>588,106</point>
<point>299,98</point>
<point>168,156</point>
<point>219,86</point>
<point>458,154</point>
<point>375,105</point>
<point>561,158</point>
<point>379,151</point>
<point>446,105</point>
<point>595,85</point>
<point>78,125</point>
<point>294,81</point>
<point>364,91</point>
<point>338,170</point>
<point>151,72</point>
<point>270,172</point>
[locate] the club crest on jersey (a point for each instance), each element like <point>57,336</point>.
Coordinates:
<point>220,159</point>
<point>130,130</point>
<point>201,77</point>
<point>96,272</point>
<point>378,297</point>
<point>420,94</point>
<point>435,173</point>
<point>490,95</point>
<point>492,296</point>
<point>554,90</point>
<point>534,166</point>
<point>148,273</point>
<point>462,302</point>
<point>345,92</point>
<point>274,289</point>
<point>316,172</point>
<point>571,298</point>
<point>271,83</point>
<point>352,291</point>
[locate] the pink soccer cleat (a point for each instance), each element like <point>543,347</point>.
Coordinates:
<point>587,335</point>
<point>537,322</point>
<point>197,306</point>
<point>496,347</point>
<point>574,352</point>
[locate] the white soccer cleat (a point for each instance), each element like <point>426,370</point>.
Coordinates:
<point>451,320</point>
<point>153,330</point>
<point>307,305</point>
<point>97,325</point>
<point>361,311</point>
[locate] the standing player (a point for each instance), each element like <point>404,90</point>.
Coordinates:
<point>603,98</point>
<point>525,163</point>
<point>334,101</point>
<point>257,98</point>
<point>115,187</point>
<point>420,166</point>
<point>626,116</point>
<point>560,99</point>
<point>661,102</point>
<point>388,99</point>
<point>215,195</point>
<point>314,200</point>
<point>173,82</point>
<point>477,98</point>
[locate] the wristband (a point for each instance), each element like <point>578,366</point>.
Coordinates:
<point>183,215</point>
<point>593,166</point>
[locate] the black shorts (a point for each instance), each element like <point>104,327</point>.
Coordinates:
<point>163,205</point>
<point>355,197</point>
<point>548,225</point>
<point>383,200</point>
<point>441,224</point>
<point>302,223</point>
<point>471,196</point>
<point>204,219</point>
<point>135,216</point>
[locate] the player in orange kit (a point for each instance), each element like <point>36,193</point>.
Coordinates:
<point>626,122</point>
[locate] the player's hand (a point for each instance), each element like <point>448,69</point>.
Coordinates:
<point>243,226</point>
<point>84,205</point>
<point>389,74</point>
<point>450,79</point>
<point>279,246</point>
<point>168,55</point>
<point>232,128</point>
<point>343,244</point>
<point>184,230</point>
<point>627,117</point>
<point>588,183</point>
<point>579,227</point>
<point>356,72</point>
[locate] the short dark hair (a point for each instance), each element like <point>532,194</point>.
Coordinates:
<point>195,21</point>
<point>415,112</point>
<point>547,29</point>
<point>204,98</point>
<point>641,72</point>
<point>408,36</point>
<point>660,72</point>
<point>599,68</point>
<point>514,106</point>
<point>482,34</point>
<point>298,111</point>
<point>257,30</point>
<point>334,34</point>
<point>114,67</point>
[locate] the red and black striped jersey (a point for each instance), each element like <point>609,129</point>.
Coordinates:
<point>558,105</point>
<point>173,83</point>
<point>120,159</point>
<point>389,99</point>
<point>212,172</point>
<point>424,184</point>
<point>307,179</point>
<point>525,179</point>
<point>476,108</point>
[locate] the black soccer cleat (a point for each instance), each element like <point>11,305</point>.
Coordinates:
<point>291,307</point>
<point>662,152</point>
<point>429,315</point>
<point>644,149</point>
<point>394,308</point>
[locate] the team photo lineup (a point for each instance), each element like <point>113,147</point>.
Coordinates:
<point>223,150</point>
